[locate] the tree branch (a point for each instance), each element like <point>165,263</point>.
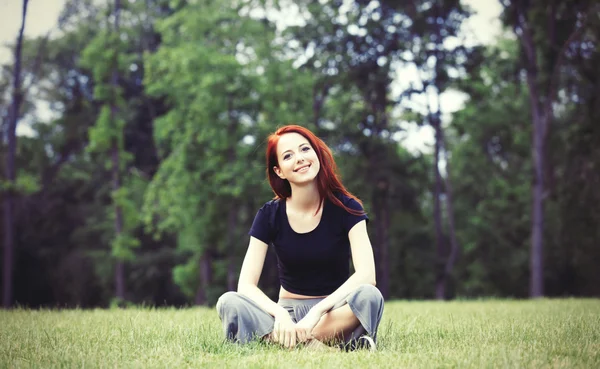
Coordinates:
<point>527,41</point>
<point>38,61</point>
<point>561,56</point>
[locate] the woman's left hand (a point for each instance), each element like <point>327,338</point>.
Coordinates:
<point>305,326</point>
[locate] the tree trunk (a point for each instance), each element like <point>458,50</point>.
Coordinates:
<point>448,265</point>
<point>536,282</point>
<point>231,265</point>
<point>205,278</point>
<point>536,286</point>
<point>115,157</point>
<point>10,170</point>
<point>319,95</point>
<point>454,247</point>
<point>380,199</point>
<point>120,267</point>
<point>541,111</point>
<point>446,260</point>
<point>233,209</point>
<point>383,230</point>
<point>440,285</point>
<point>231,275</point>
<point>380,205</point>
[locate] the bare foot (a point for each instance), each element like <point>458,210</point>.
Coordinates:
<point>316,345</point>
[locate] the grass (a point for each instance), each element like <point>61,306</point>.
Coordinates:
<point>461,334</point>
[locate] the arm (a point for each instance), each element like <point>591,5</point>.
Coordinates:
<point>364,268</point>
<point>283,327</point>
<point>250,274</point>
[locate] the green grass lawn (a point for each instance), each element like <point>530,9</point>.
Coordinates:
<point>461,334</point>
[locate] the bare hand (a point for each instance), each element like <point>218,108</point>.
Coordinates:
<point>305,326</point>
<point>284,330</point>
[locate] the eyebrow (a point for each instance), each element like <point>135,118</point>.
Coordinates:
<point>302,144</point>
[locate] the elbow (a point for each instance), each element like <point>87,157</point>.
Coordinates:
<point>372,281</point>
<point>244,288</point>
<point>369,278</point>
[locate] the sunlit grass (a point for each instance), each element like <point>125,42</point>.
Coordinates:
<point>461,334</point>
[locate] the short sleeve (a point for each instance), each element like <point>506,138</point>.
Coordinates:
<point>261,228</point>
<point>350,220</point>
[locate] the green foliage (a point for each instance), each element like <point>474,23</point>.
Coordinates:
<point>25,184</point>
<point>106,56</point>
<point>186,277</point>
<point>129,198</point>
<point>123,245</point>
<point>100,134</point>
<point>216,70</point>
<point>491,178</point>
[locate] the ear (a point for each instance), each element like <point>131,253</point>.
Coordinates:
<point>278,172</point>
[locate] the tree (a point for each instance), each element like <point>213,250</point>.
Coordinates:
<point>489,142</point>
<point>361,45</point>
<point>106,56</point>
<point>116,164</point>
<point>228,84</point>
<point>69,260</point>
<point>546,33</point>
<point>433,25</point>
<point>10,171</point>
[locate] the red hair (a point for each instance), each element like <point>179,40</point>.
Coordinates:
<point>328,179</point>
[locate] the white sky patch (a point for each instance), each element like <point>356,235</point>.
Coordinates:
<point>42,17</point>
<point>483,27</point>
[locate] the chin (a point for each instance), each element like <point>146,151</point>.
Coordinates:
<point>308,178</point>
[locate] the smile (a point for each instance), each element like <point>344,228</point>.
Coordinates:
<point>302,169</point>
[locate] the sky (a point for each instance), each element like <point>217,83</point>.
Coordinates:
<point>42,16</point>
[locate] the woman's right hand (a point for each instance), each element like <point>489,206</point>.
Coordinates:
<point>284,330</point>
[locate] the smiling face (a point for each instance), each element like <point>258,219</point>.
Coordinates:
<point>297,159</point>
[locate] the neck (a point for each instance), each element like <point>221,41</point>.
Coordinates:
<point>305,197</point>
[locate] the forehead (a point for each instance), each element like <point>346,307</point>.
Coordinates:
<point>290,141</point>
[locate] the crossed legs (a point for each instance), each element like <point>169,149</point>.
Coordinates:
<point>336,325</point>
<point>243,320</point>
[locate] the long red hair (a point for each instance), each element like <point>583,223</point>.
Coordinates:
<point>328,178</point>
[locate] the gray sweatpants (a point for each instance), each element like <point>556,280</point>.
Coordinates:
<point>243,320</point>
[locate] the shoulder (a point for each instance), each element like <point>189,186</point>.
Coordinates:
<point>348,201</point>
<point>269,208</point>
<point>270,205</point>
<point>265,222</point>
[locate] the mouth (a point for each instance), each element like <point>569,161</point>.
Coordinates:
<point>303,168</point>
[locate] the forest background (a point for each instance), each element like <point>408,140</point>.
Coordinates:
<point>139,163</point>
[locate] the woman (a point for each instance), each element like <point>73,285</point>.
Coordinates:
<point>314,224</point>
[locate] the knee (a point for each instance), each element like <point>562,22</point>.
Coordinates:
<point>368,292</point>
<point>228,301</point>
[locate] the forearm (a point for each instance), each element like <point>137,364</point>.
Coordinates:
<point>255,294</point>
<point>344,290</point>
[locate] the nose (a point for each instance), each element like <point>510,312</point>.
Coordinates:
<point>300,157</point>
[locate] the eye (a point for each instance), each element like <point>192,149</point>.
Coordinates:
<point>286,156</point>
<point>305,148</point>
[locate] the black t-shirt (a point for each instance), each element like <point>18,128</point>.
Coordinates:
<point>314,263</point>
